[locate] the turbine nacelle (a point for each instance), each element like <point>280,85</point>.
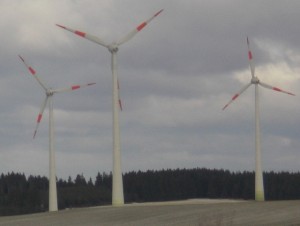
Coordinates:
<point>254,80</point>
<point>113,48</point>
<point>49,92</point>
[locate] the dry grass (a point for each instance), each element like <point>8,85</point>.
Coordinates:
<point>190,212</point>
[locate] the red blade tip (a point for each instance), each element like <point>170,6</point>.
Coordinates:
<point>141,26</point>
<point>235,96</point>
<point>75,87</point>
<point>39,118</point>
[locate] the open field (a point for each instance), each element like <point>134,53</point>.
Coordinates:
<point>190,212</point>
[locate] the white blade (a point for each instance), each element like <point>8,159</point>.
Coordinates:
<point>75,87</point>
<point>120,102</point>
<point>250,58</point>
<point>39,118</point>
<point>131,34</point>
<point>85,35</point>
<point>237,95</point>
<point>274,88</point>
<point>33,72</point>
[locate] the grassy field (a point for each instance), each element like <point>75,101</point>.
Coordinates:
<point>190,212</point>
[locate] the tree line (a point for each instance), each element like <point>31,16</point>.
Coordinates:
<point>21,195</point>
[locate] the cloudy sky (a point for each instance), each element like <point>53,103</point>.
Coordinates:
<point>175,77</point>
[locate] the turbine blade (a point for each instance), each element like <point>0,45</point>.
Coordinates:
<point>90,37</point>
<point>120,102</point>
<point>237,95</point>
<point>131,34</point>
<point>274,88</point>
<point>33,72</point>
<point>39,118</point>
<point>250,58</point>
<point>74,87</point>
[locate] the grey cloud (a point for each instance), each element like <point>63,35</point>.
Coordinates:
<point>175,77</point>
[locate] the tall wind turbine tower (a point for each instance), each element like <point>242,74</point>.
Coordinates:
<point>259,186</point>
<point>49,94</point>
<point>117,193</point>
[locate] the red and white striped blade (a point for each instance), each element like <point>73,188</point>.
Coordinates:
<point>274,88</point>
<point>90,37</point>
<point>39,118</point>
<point>120,102</point>
<point>33,72</point>
<point>74,87</point>
<point>131,34</point>
<point>250,58</point>
<point>237,95</point>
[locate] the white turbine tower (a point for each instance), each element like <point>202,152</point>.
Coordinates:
<point>49,94</point>
<point>259,186</point>
<point>117,193</point>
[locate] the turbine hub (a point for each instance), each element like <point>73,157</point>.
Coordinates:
<point>49,92</point>
<point>113,48</point>
<point>254,80</point>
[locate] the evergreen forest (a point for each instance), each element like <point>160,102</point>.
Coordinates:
<point>22,195</point>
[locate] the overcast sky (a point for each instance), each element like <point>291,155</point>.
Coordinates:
<point>175,77</point>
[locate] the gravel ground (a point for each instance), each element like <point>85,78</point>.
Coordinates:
<point>180,213</point>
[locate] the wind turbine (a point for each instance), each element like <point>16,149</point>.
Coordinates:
<point>117,193</point>
<point>259,186</point>
<point>49,94</point>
